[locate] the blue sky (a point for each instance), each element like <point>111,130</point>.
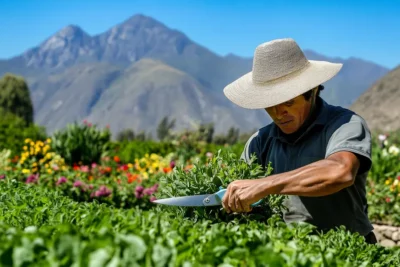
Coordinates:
<point>364,29</point>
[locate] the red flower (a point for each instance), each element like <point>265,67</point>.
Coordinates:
<point>388,199</point>
<point>117,159</point>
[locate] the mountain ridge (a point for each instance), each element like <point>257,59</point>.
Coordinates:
<point>71,64</point>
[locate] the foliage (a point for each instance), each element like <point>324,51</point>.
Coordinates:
<point>42,228</point>
<point>13,132</point>
<point>81,144</point>
<point>138,149</point>
<point>219,171</point>
<point>5,158</point>
<point>164,128</point>
<point>15,97</point>
<point>126,135</point>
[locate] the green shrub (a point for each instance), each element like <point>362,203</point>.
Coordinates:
<point>13,132</point>
<point>130,150</point>
<point>15,97</point>
<point>81,144</point>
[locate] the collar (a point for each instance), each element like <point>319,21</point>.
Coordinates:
<point>321,119</point>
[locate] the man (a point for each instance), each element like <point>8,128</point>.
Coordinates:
<point>320,154</point>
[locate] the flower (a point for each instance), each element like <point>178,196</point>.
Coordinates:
<point>3,176</point>
<point>394,150</point>
<point>382,137</point>
<point>172,164</point>
<point>33,178</point>
<point>62,180</point>
<point>85,168</point>
<point>209,155</point>
<point>77,183</point>
<point>103,191</point>
<point>117,159</point>
<point>152,198</point>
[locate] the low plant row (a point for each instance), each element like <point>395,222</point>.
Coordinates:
<point>40,227</point>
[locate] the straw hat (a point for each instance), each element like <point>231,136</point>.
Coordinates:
<point>280,72</point>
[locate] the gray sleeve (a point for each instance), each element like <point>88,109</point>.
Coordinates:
<point>250,148</point>
<point>351,134</point>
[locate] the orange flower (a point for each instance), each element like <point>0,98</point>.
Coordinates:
<point>90,177</point>
<point>132,177</point>
<point>167,169</point>
<point>117,159</point>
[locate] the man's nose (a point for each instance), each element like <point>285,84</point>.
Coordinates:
<point>280,111</point>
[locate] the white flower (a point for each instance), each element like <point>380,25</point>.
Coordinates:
<point>385,142</point>
<point>382,137</point>
<point>394,150</point>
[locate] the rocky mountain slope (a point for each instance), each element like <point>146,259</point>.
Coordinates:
<point>379,105</point>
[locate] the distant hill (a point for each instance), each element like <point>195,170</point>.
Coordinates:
<point>138,71</point>
<point>379,105</point>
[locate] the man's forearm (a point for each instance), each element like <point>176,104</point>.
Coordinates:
<point>321,178</point>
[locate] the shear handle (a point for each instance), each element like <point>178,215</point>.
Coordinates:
<point>222,191</point>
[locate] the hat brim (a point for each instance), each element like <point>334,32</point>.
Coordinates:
<point>247,94</point>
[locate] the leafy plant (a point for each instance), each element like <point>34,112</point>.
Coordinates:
<point>81,144</point>
<point>219,171</point>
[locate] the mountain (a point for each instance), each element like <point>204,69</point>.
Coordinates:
<point>138,71</point>
<point>384,97</point>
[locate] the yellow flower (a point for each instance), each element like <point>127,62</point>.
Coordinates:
<point>26,171</point>
<point>387,182</point>
<point>145,175</point>
<point>34,164</point>
<point>154,156</point>
<point>48,140</point>
<point>130,165</point>
<point>49,171</point>
<point>27,140</point>
<point>47,165</point>
<point>25,148</point>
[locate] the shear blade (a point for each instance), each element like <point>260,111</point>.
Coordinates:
<point>188,201</point>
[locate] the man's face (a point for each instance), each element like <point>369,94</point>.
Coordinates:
<point>290,115</point>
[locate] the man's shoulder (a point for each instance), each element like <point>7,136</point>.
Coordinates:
<point>338,116</point>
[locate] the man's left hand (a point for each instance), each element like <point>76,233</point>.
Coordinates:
<point>240,194</point>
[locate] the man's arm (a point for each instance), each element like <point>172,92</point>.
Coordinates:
<point>320,178</point>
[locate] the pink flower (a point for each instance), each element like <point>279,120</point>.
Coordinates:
<point>103,192</point>
<point>61,180</point>
<point>77,184</point>
<point>33,178</point>
<point>172,164</point>
<point>85,168</point>
<point>152,198</point>
<point>139,189</point>
<point>3,176</point>
<point>94,165</point>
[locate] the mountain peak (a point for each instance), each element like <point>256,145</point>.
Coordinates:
<point>70,30</point>
<point>140,21</point>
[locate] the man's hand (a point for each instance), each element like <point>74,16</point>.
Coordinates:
<point>240,194</point>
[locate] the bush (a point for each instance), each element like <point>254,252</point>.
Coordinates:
<point>14,131</point>
<point>81,144</point>
<point>15,97</point>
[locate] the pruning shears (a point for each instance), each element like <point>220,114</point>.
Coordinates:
<point>197,200</point>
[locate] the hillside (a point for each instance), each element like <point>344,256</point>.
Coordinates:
<point>379,105</point>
